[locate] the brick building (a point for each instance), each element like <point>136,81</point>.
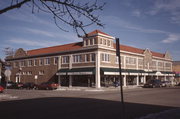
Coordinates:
<point>176,70</point>
<point>92,62</point>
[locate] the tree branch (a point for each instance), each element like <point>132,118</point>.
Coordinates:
<point>18,5</point>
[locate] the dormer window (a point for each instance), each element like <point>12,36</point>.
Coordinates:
<point>91,41</point>
<point>101,42</point>
<point>86,42</point>
<point>109,43</point>
<point>104,42</point>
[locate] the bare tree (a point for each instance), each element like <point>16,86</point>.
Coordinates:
<point>75,13</point>
<point>9,51</point>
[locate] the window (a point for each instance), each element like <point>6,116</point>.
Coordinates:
<point>35,62</point>
<point>160,64</point>
<point>56,60</point>
<point>65,59</point>
<point>92,57</point>
<point>153,63</point>
<point>91,41</point>
<point>87,57</point>
<point>101,41</point>
<point>109,43</point>
<point>77,58</point>
<point>95,40</point>
<point>41,72</point>
<point>86,42</point>
<point>23,73</point>
<point>29,73</point>
<point>105,57</point>
<point>41,62</point>
<point>104,42</point>
<point>168,65</point>
<point>117,59</point>
<point>22,63</point>
<point>30,62</point>
<point>16,64</point>
<point>47,61</point>
<point>140,62</point>
<point>130,60</point>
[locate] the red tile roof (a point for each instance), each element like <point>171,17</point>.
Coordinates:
<point>138,50</point>
<point>79,45</point>
<point>54,49</point>
<point>156,54</point>
<point>95,32</point>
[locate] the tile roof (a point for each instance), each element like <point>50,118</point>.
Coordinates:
<point>79,45</point>
<point>54,49</point>
<point>138,50</point>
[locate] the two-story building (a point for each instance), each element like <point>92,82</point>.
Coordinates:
<point>92,62</point>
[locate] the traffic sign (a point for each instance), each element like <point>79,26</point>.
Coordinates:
<point>7,73</point>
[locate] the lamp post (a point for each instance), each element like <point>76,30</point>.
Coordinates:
<point>120,78</point>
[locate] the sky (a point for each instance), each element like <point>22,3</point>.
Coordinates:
<point>152,24</point>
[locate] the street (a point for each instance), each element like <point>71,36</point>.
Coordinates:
<point>43,104</point>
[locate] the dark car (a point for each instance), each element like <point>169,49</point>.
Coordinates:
<point>19,85</point>
<point>48,86</point>
<point>11,85</point>
<point>30,85</point>
<point>153,83</point>
<point>166,83</point>
<point>1,89</point>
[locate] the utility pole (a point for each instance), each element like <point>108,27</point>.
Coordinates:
<point>123,116</point>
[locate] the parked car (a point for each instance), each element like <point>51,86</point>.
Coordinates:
<point>11,85</point>
<point>1,89</point>
<point>30,85</point>
<point>166,83</point>
<point>153,83</point>
<point>19,85</point>
<point>48,86</point>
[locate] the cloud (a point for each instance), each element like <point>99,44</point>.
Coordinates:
<point>171,38</point>
<point>59,35</point>
<point>136,13</point>
<point>169,6</point>
<point>41,32</point>
<point>116,21</point>
<point>29,42</point>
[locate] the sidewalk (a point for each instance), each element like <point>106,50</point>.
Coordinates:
<point>94,89</point>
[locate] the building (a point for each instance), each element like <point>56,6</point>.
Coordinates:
<point>176,70</point>
<point>2,69</point>
<point>92,62</point>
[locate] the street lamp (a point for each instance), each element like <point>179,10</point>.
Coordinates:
<point>120,77</point>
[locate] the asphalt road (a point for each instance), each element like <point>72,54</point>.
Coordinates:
<point>37,104</point>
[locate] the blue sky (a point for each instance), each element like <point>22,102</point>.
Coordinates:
<point>153,24</point>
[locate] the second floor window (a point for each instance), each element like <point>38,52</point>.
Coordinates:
<point>29,62</point>
<point>35,62</point>
<point>86,57</point>
<point>109,43</point>
<point>77,58</point>
<point>41,62</point>
<point>16,64</point>
<point>47,61</point>
<point>92,57</point>
<point>105,57</point>
<point>91,41</point>
<point>22,63</point>
<point>130,60</point>
<point>56,60</point>
<point>65,59</point>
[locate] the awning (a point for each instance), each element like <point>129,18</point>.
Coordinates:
<point>77,71</point>
<point>115,71</point>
